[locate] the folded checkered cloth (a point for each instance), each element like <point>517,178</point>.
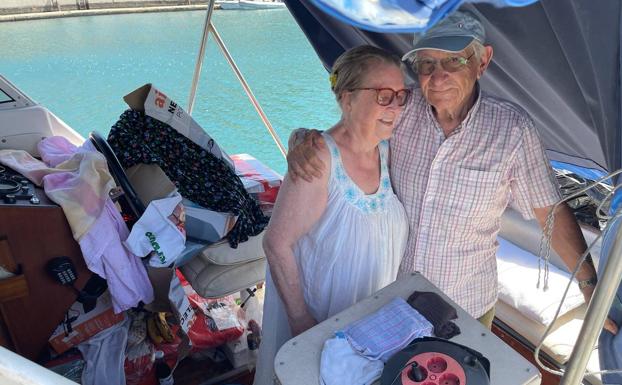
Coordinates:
<point>387,331</point>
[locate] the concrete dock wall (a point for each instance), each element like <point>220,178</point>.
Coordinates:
<point>12,7</point>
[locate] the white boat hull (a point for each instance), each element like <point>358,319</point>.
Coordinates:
<point>251,5</point>
<point>229,5</point>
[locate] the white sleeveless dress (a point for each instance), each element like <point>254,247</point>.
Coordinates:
<point>353,250</point>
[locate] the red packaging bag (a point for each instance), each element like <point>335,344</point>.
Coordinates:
<point>258,179</point>
<point>216,320</point>
<point>205,335</point>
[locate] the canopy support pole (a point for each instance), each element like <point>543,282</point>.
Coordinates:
<point>199,64</point>
<point>209,26</point>
<point>248,91</point>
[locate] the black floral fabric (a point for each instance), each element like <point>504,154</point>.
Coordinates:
<point>198,175</point>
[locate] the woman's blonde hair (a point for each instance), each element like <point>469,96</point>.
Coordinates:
<point>351,67</point>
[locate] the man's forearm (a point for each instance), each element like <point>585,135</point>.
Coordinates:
<point>568,240</point>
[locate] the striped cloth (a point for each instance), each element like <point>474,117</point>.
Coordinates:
<point>387,331</point>
<point>455,190</point>
<point>79,183</point>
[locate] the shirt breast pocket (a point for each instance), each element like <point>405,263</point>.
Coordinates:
<point>474,192</point>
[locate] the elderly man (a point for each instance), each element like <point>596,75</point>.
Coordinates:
<point>459,157</point>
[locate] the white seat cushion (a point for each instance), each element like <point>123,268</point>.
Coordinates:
<point>221,270</point>
<point>222,254</point>
<point>216,281</point>
<point>559,343</point>
<point>527,235</point>
<point>518,277</point>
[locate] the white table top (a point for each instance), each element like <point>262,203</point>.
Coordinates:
<point>298,361</point>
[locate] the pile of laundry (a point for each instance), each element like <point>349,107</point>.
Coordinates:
<point>137,311</point>
<point>111,334</point>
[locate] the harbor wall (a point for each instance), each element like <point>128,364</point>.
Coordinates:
<point>11,7</point>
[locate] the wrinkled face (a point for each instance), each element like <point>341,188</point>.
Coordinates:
<point>362,107</point>
<point>447,90</point>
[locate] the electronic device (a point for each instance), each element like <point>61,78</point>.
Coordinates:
<point>16,189</point>
<point>61,269</point>
<point>435,361</point>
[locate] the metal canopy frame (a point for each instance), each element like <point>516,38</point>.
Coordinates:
<point>596,313</point>
<point>207,27</point>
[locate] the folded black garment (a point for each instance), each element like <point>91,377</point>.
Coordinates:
<point>434,308</point>
<point>198,175</point>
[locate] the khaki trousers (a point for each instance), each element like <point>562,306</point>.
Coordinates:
<point>487,318</point>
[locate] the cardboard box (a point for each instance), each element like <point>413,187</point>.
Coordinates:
<point>150,182</point>
<point>258,178</point>
<point>207,225</point>
<point>156,104</point>
<point>84,326</point>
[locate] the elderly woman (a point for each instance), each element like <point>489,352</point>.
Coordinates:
<point>339,238</point>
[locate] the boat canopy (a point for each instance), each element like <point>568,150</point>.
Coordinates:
<point>559,60</point>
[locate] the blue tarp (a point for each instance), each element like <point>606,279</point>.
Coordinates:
<point>615,203</point>
<point>584,172</point>
<point>398,16</point>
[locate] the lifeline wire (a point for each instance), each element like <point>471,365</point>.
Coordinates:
<point>600,213</point>
<point>547,233</point>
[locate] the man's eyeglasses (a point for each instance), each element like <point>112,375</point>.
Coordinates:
<point>425,65</point>
<point>384,96</point>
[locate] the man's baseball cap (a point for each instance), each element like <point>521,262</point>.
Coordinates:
<point>452,34</point>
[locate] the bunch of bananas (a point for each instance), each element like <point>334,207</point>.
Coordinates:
<point>158,329</point>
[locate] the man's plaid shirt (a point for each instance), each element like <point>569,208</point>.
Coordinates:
<point>455,189</point>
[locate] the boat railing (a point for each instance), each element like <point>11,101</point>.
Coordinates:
<point>595,316</point>
<point>13,96</point>
<point>209,26</point>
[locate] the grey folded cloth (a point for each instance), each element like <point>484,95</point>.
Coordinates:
<point>436,310</point>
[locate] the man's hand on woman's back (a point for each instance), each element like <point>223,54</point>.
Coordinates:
<point>302,158</point>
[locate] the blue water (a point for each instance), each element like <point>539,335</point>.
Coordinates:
<point>80,68</point>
